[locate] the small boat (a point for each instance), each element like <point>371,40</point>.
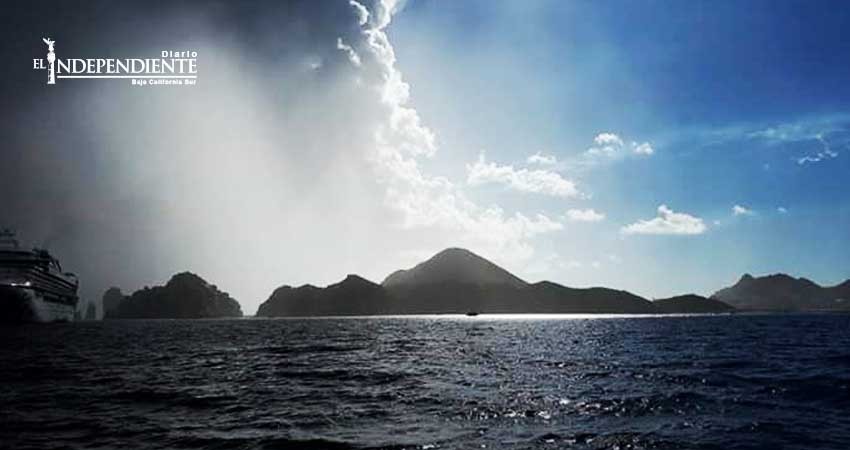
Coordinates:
<point>472,314</point>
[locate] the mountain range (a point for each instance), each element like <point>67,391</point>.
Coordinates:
<point>457,281</point>
<point>781,292</point>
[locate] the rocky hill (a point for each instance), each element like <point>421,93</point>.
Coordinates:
<point>454,265</point>
<point>352,296</point>
<point>185,296</point>
<point>781,292</point>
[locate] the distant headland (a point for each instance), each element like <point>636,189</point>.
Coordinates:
<point>185,296</point>
<point>780,292</point>
<point>457,281</point>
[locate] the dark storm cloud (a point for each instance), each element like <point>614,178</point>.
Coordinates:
<point>63,164</point>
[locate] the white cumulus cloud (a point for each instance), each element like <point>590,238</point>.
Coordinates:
<point>668,222</point>
<point>542,159</point>
<point>608,139</point>
<point>606,144</point>
<point>739,210</point>
<point>545,182</point>
<point>642,149</point>
<point>362,12</point>
<point>433,203</point>
<point>352,54</point>
<point>584,215</point>
<point>611,146</point>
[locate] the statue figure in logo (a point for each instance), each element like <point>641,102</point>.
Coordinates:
<point>51,58</point>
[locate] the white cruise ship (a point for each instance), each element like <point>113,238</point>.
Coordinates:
<point>33,287</point>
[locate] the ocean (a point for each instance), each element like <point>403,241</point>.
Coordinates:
<point>748,381</point>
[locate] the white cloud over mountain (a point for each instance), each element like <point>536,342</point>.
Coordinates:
<point>536,181</point>
<point>668,222</point>
<point>430,201</point>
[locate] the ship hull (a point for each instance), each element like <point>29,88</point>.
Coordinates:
<point>22,305</point>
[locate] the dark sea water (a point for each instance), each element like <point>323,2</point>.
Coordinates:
<point>708,382</point>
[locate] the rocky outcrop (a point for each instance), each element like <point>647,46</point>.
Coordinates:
<point>185,296</point>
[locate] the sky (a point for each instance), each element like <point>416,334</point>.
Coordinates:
<point>659,147</point>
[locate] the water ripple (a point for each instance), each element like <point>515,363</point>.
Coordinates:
<point>728,382</point>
